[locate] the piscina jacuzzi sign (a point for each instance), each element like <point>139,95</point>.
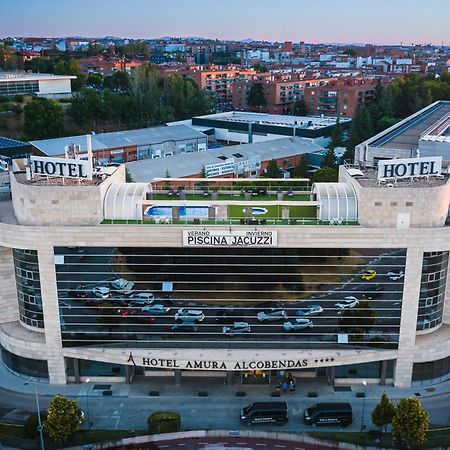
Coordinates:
<point>218,238</point>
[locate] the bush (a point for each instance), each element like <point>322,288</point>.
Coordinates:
<point>153,393</point>
<point>164,422</point>
<point>30,426</point>
<point>360,394</point>
<point>3,99</point>
<point>202,394</point>
<point>16,109</point>
<point>18,98</point>
<point>241,394</point>
<point>312,394</point>
<point>275,394</point>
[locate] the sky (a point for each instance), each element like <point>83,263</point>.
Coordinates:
<point>341,21</point>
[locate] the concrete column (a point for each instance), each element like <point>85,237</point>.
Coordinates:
<point>129,374</point>
<point>230,377</point>
<point>383,373</point>
<point>76,370</point>
<point>50,306</point>
<point>177,377</point>
<point>330,375</point>
<point>408,322</point>
<point>446,312</point>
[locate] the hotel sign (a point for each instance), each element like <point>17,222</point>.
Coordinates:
<point>167,363</point>
<point>222,238</point>
<point>61,167</point>
<point>412,167</point>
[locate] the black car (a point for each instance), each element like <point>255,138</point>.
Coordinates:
<point>265,412</point>
<point>373,291</point>
<point>228,316</point>
<point>340,414</point>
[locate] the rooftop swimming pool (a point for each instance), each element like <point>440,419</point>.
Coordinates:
<point>185,211</point>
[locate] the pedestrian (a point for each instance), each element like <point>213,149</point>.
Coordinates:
<point>292,386</point>
<point>285,386</point>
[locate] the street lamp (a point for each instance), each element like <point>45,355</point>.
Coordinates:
<point>39,428</point>
<point>364,405</point>
<point>87,405</point>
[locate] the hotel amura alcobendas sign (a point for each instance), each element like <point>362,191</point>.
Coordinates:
<point>167,363</point>
<point>61,167</point>
<point>223,238</point>
<point>412,167</point>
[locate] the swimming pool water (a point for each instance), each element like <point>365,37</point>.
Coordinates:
<point>185,211</point>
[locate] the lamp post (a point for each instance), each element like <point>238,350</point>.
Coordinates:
<point>87,405</point>
<point>39,428</point>
<point>364,405</point>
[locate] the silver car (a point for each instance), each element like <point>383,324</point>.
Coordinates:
<point>272,315</point>
<point>189,315</point>
<point>236,328</point>
<point>297,324</point>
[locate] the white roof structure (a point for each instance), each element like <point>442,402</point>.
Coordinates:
<point>123,201</point>
<point>337,201</point>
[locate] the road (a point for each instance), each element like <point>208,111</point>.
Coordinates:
<point>199,413</point>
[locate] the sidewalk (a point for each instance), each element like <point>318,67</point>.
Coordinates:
<point>190,387</point>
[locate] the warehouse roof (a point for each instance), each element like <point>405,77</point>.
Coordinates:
<point>191,163</point>
<point>119,139</point>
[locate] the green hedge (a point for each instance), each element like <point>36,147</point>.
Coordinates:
<point>164,422</point>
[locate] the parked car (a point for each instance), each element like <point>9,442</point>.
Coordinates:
<point>101,292</point>
<point>185,326</point>
<point>340,414</point>
<point>297,324</point>
<point>310,310</point>
<point>368,275</point>
<point>236,328</point>
<point>138,314</point>
<point>79,292</point>
<point>122,285</point>
<point>189,315</point>
<point>228,316</point>
<point>395,275</point>
<point>141,298</point>
<point>348,302</point>
<point>272,315</point>
<point>156,309</point>
<point>373,291</point>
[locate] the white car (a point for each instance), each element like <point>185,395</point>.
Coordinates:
<point>348,302</point>
<point>297,324</point>
<point>394,276</point>
<point>310,310</point>
<point>156,310</point>
<point>189,315</point>
<point>123,286</point>
<point>101,292</point>
<point>142,298</point>
<point>237,328</point>
<point>272,315</point>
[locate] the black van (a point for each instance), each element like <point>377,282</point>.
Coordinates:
<point>329,414</point>
<point>265,412</point>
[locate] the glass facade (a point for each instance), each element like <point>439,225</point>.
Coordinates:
<point>432,290</point>
<point>431,372</point>
<point>365,370</point>
<point>230,298</point>
<point>28,287</point>
<point>25,366</point>
<point>18,87</point>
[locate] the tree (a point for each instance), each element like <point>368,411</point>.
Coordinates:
<point>301,169</point>
<point>43,119</point>
<point>118,81</point>
<point>94,80</point>
<point>87,107</point>
<point>260,67</point>
<point>300,108</point>
<point>64,418</point>
<point>329,159</point>
<point>272,170</point>
<point>256,95</point>
<point>128,176</point>
<point>337,135</point>
<point>383,413</point>
<point>325,175</point>
<point>356,320</point>
<point>410,422</point>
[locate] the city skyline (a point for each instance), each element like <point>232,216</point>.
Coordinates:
<point>349,21</point>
